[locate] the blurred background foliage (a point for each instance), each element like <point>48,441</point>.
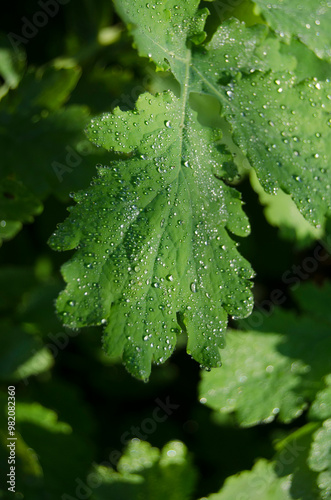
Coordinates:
<point>76,408</point>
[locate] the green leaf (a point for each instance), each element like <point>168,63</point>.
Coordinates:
<point>12,64</point>
<point>17,204</point>
<point>308,21</point>
<point>38,362</point>
<point>8,230</point>
<point>83,27</point>
<point>146,473</point>
<point>34,118</point>
<point>161,32</point>
<point>321,407</point>
<point>14,283</point>
<point>146,269</point>
<point>261,483</point>
<point>320,458</point>
<point>308,65</point>
<point>26,304</point>
<point>315,300</point>
<point>285,131</point>
<point>43,417</point>
<point>44,88</point>
<point>281,211</point>
<point>255,381</point>
<point>161,248</point>
<point>272,372</point>
<point>292,460</point>
<point>57,471</point>
<point>22,353</point>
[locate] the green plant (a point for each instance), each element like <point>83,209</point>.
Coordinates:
<point>236,109</point>
<point>161,259</point>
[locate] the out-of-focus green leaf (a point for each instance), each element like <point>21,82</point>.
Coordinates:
<point>308,64</point>
<point>320,458</point>
<point>38,362</point>
<point>321,407</point>
<point>43,417</point>
<point>255,381</point>
<point>291,460</point>
<point>83,29</point>
<point>8,230</point>
<point>261,483</point>
<point>62,455</point>
<point>12,64</point>
<point>17,203</point>
<point>14,282</point>
<point>272,371</point>
<point>146,473</point>
<point>42,142</point>
<point>315,300</point>
<point>22,354</point>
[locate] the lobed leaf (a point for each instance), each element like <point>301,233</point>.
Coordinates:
<point>161,256</point>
